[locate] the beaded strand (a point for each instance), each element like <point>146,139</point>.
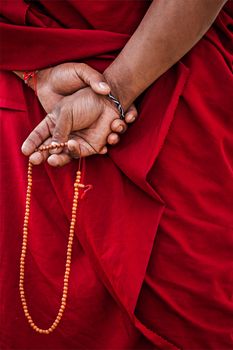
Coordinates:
<point>77,185</point>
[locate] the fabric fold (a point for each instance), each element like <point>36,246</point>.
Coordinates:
<point>119,220</point>
<point>21,52</point>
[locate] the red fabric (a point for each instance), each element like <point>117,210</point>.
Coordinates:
<point>152,263</point>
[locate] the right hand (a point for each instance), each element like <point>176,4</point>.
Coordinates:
<point>83,119</point>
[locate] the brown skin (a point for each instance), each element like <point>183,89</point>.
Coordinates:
<point>56,82</point>
<point>95,115</point>
<point>167,32</point>
<point>64,79</point>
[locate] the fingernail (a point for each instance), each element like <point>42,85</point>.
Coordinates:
<point>103,85</point>
<point>23,147</point>
<point>132,119</point>
<point>120,128</point>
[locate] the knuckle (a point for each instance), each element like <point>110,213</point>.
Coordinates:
<point>31,140</point>
<point>82,66</point>
<point>63,110</point>
<point>57,135</point>
<point>50,117</point>
<point>38,134</point>
<point>98,76</point>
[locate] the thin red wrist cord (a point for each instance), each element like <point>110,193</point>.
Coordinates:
<point>28,75</point>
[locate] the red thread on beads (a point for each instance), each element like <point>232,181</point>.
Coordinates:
<point>86,188</point>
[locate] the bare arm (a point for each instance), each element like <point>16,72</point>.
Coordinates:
<point>168,31</point>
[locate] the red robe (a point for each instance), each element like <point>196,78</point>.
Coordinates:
<point>152,262</point>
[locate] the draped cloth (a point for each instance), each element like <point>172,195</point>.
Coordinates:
<point>152,260</point>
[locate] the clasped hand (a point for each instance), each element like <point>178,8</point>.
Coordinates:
<point>79,113</point>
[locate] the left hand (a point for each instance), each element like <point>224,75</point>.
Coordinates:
<point>54,83</point>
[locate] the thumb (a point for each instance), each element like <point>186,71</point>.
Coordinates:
<point>62,128</point>
<point>92,78</point>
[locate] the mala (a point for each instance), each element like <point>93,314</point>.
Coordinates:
<point>77,186</point>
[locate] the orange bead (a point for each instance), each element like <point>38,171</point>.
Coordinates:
<point>77,185</point>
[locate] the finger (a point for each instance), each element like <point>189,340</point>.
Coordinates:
<point>78,147</point>
<point>118,126</point>
<point>63,125</point>
<point>58,160</point>
<point>59,148</point>
<point>41,132</point>
<point>39,157</point>
<point>113,139</point>
<point>36,158</point>
<point>65,80</point>
<point>131,114</point>
<point>92,78</point>
<point>104,150</point>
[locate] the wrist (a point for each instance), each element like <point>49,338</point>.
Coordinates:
<point>29,78</point>
<point>120,85</point>
<point>35,78</point>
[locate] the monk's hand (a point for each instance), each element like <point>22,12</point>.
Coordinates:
<point>62,80</point>
<point>82,119</point>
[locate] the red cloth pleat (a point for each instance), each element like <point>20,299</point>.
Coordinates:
<point>152,260</point>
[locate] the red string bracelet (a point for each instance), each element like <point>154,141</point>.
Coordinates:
<point>28,75</point>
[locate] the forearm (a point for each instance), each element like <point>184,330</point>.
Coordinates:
<point>168,31</point>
